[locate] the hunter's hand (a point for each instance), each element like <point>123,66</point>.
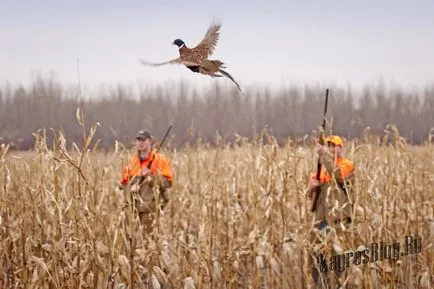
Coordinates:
<point>145,172</point>
<point>314,183</point>
<point>320,149</point>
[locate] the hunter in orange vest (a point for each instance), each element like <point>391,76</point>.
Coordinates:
<point>337,172</point>
<point>146,161</point>
<point>146,170</point>
<point>334,204</point>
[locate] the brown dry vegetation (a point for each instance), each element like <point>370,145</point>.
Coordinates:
<point>292,111</point>
<point>238,217</point>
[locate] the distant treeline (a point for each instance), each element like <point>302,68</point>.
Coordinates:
<point>291,112</point>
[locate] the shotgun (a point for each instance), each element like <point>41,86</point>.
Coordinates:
<point>159,146</point>
<point>321,142</point>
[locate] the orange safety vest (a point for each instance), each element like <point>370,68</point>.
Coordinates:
<point>346,167</point>
<point>160,165</point>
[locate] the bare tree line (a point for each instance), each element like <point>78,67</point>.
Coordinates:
<point>291,112</point>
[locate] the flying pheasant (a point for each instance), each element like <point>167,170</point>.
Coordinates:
<point>196,58</point>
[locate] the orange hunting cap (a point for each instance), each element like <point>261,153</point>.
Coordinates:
<point>335,139</point>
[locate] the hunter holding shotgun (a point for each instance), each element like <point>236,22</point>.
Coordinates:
<point>330,190</point>
<point>147,169</point>
<point>336,174</point>
<point>333,206</point>
<point>331,181</point>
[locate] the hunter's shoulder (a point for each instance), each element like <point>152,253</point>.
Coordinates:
<point>347,162</point>
<point>347,167</point>
<point>162,157</point>
<point>134,158</point>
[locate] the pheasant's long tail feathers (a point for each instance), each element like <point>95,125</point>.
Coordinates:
<point>231,78</point>
<point>212,74</point>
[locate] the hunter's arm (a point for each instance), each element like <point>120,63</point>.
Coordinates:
<point>326,160</point>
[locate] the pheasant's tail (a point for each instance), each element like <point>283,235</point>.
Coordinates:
<point>231,78</point>
<point>213,74</point>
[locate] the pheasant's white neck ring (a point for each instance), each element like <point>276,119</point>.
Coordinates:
<point>183,44</point>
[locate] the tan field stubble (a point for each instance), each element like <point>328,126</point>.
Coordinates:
<point>238,218</point>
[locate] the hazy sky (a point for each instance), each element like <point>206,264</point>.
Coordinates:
<point>353,42</point>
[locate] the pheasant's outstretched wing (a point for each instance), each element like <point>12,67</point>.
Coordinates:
<point>209,41</point>
<point>173,61</point>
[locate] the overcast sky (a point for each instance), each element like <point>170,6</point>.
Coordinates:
<point>354,42</point>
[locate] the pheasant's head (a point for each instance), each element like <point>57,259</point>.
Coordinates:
<point>178,42</point>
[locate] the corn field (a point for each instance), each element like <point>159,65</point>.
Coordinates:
<point>238,216</point>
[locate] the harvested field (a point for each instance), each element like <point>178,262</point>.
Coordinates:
<point>238,218</point>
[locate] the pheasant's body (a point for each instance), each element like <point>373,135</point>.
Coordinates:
<point>196,58</point>
<point>212,67</point>
<point>184,51</point>
<point>207,67</point>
